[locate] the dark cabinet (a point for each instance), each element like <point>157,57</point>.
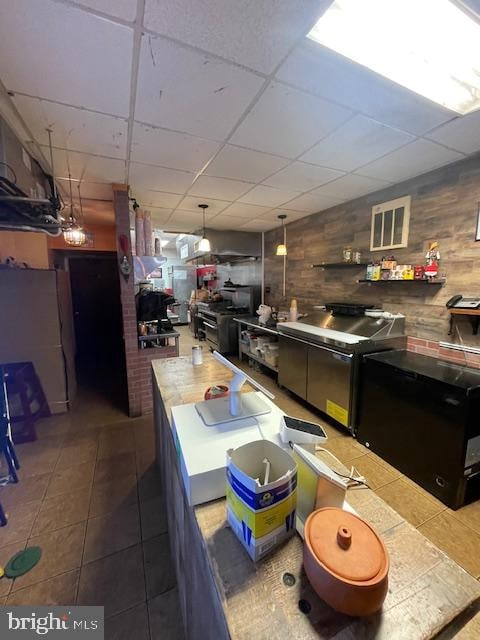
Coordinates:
<point>422,415</point>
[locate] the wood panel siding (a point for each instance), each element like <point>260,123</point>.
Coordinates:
<point>444,206</point>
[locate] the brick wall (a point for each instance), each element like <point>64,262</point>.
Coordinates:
<point>432,348</point>
<point>138,361</point>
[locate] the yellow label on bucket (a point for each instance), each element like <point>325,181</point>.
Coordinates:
<point>337,412</point>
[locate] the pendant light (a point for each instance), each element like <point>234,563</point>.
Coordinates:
<point>204,244</point>
<point>73,233</point>
<point>282,248</point>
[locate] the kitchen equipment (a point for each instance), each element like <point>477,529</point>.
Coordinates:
<point>216,318</point>
<point>184,279</point>
<point>420,414</point>
<point>347,308</point>
<point>345,561</point>
<point>197,355</point>
<point>300,431</point>
<point>319,356</point>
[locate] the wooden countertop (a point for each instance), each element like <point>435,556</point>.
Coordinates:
<point>427,590</point>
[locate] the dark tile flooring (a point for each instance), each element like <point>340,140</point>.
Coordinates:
<point>90,496</point>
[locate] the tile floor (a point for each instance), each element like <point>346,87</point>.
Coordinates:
<point>91,497</point>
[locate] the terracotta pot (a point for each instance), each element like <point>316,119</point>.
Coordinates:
<point>220,392</point>
<point>346,561</point>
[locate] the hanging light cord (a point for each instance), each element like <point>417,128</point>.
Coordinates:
<point>81,206</point>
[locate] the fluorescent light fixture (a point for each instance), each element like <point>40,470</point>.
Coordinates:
<point>163,243</point>
<point>428,46</point>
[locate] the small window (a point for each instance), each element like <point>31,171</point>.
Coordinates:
<point>390,222</point>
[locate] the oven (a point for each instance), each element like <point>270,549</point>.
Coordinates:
<point>208,327</point>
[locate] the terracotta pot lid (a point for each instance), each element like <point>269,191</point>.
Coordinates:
<point>345,544</point>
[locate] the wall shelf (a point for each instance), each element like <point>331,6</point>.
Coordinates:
<point>438,282</point>
<point>338,265</point>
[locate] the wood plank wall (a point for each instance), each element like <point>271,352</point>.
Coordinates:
<point>444,206</point>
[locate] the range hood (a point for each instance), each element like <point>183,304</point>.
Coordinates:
<point>225,246</point>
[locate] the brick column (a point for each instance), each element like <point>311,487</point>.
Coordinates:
<point>127,294</point>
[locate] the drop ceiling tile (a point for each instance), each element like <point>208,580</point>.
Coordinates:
<point>82,166</point>
<point>268,196</point>
<point>160,215</point>
<point>88,190</point>
<point>186,221</point>
<point>190,204</point>
<point>301,176</point>
<point>287,122</point>
<point>358,141</point>
<point>156,199</point>
<point>74,129</point>
<point>291,215</point>
<point>260,225</point>
<point>461,134</point>
<point>244,210</point>
<point>98,211</point>
<point>229,223</point>
<point>219,188</point>
<point>145,176</point>
<point>255,34</point>
<point>351,186</point>
<point>312,202</point>
<point>171,149</point>
<point>244,164</point>
<point>325,73</point>
<point>182,89</point>
<point>62,53</point>
<point>124,9</point>
<point>416,158</point>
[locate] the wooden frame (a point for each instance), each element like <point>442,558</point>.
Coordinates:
<point>382,208</point>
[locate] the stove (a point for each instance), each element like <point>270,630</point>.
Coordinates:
<point>221,308</point>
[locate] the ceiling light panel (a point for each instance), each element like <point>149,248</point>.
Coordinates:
<point>170,149</point>
<point>286,122</point>
<point>325,73</point>
<point>188,91</point>
<point>72,128</point>
<point>244,164</point>
<point>358,141</point>
<point>62,53</point>
<point>430,47</point>
<point>300,176</point>
<point>144,176</point>
<point>252,33</point>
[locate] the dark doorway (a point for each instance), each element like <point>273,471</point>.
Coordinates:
<point>97,315</point>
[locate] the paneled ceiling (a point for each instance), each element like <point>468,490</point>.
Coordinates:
<point>218,101</point>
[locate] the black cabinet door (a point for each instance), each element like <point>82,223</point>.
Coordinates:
<point>416,425</point>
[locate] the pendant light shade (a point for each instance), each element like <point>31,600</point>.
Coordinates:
<point>74,236</point>
<point>282,248</point>
<point>73,233</point>
<point>204,244</point>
